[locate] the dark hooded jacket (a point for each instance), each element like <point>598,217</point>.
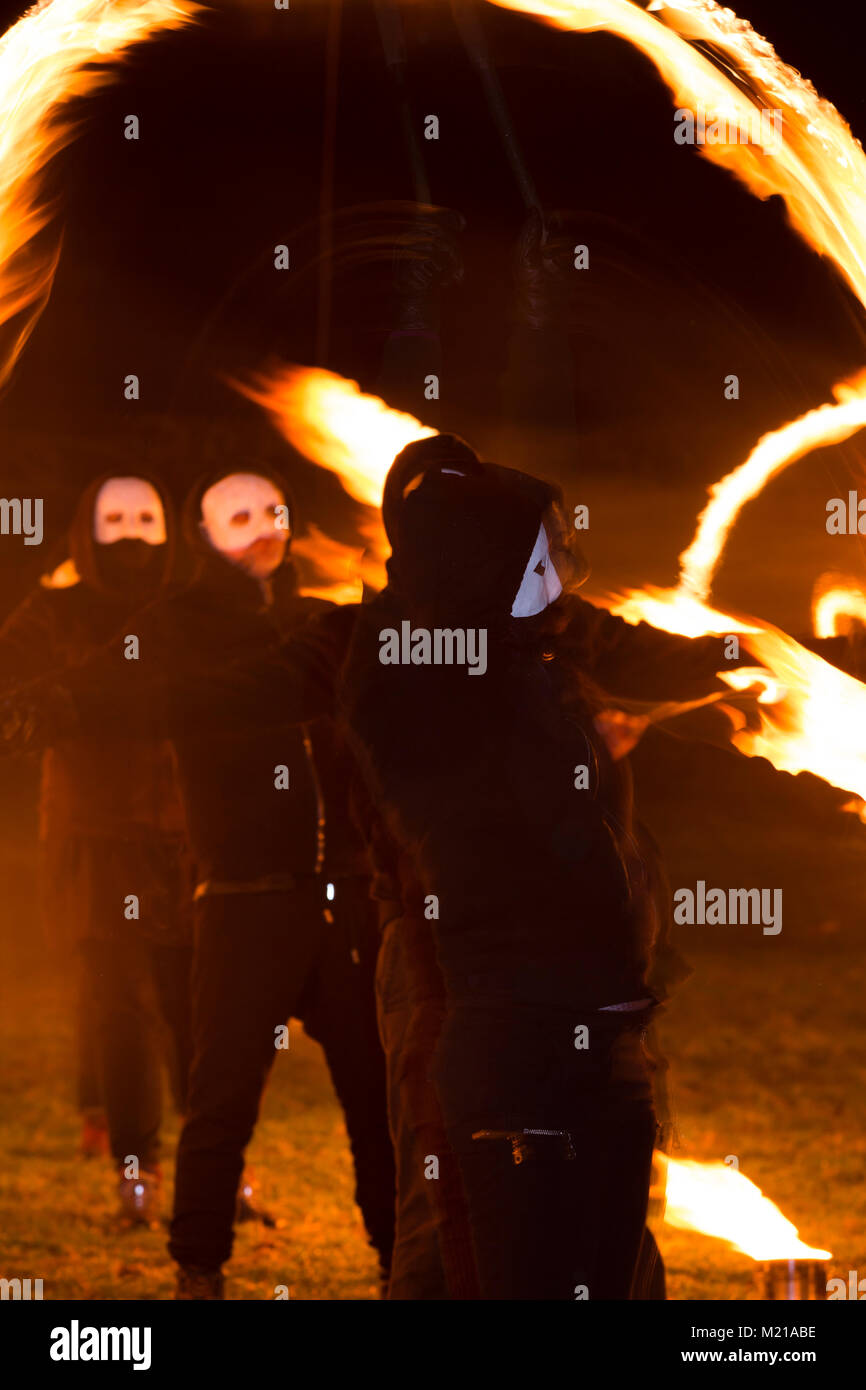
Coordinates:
<point>540,889</point>
<point>117,784</point>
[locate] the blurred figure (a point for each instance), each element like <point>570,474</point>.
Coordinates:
<point>284,922</point>
<point>115,869</point>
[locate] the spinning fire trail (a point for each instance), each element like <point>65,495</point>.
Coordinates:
<point>55,53</point>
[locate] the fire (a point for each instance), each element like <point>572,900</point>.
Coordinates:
<point>329,420</point>
<point>343,570</point>
<point>684,609</point>
<point>815,164</point>
<point>333,423</point>
<point>46,59</point>
<point>818,723</point>
<point>809,713</point>
<point>828,424</point>
<point>720,1201</point>
<point>836,598</point>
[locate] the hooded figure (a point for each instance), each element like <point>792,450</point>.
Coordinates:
<point>111,826</point>
<point>518,824</point>
<point>284,922</point>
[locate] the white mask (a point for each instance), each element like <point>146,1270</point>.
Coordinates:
<point>241,509</point>
<point>128,509</point>
<point>540,583</point>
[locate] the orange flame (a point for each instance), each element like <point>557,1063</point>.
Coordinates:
<point>810,714</point>
<point>46,59</point>
<point>828,424</point>
<point>342,570</point>
<point>817,720</point>
<point>333,423</point>
<point>835,598</point>
<point>814,162</point>
<point>720,1201</point>
<point>329,420</point>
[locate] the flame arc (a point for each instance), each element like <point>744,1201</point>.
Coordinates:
<point>815,164</point>
<point>827,424</point>
<point>56,52</point>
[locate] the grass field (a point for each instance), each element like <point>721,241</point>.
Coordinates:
<point>778,1081</point>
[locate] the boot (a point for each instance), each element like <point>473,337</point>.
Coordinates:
<point>200,1285</point>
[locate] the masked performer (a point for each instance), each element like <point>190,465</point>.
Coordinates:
<point>410,993</point>
<point>115,872</point>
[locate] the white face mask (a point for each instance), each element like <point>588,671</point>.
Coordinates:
<point>128,509</point>
<point>540,583</point>
<point>242,509</point>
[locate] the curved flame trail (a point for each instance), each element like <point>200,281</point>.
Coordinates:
<point>835,597</point>
<point>57,51</point>
<point>813,162</point>
<point>828,424</point>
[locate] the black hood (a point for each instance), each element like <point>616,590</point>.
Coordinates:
<point>462,546</point>
<point>438,451</point>
<point>462,531</point>
<point>96,563</point>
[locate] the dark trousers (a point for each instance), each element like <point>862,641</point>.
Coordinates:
<point>134,1011</point>
<point>89,1067</point>
<point>557,1215</point>
<point>259,959</point>
<point>433,1252</point>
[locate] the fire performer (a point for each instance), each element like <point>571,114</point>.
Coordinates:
<point>411,992</point>
<point>111,826</point>
<point>545,945</point>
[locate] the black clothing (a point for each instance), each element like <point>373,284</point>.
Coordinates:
<point>111,825</point>
<point>434,1258</point>
<point>262,796</point>
<point>557,1215</point>
<point>267,808</point>
<point>518,823</point>
<point>258,961</point>
<point>477,779</point>
<point>139,993</point>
